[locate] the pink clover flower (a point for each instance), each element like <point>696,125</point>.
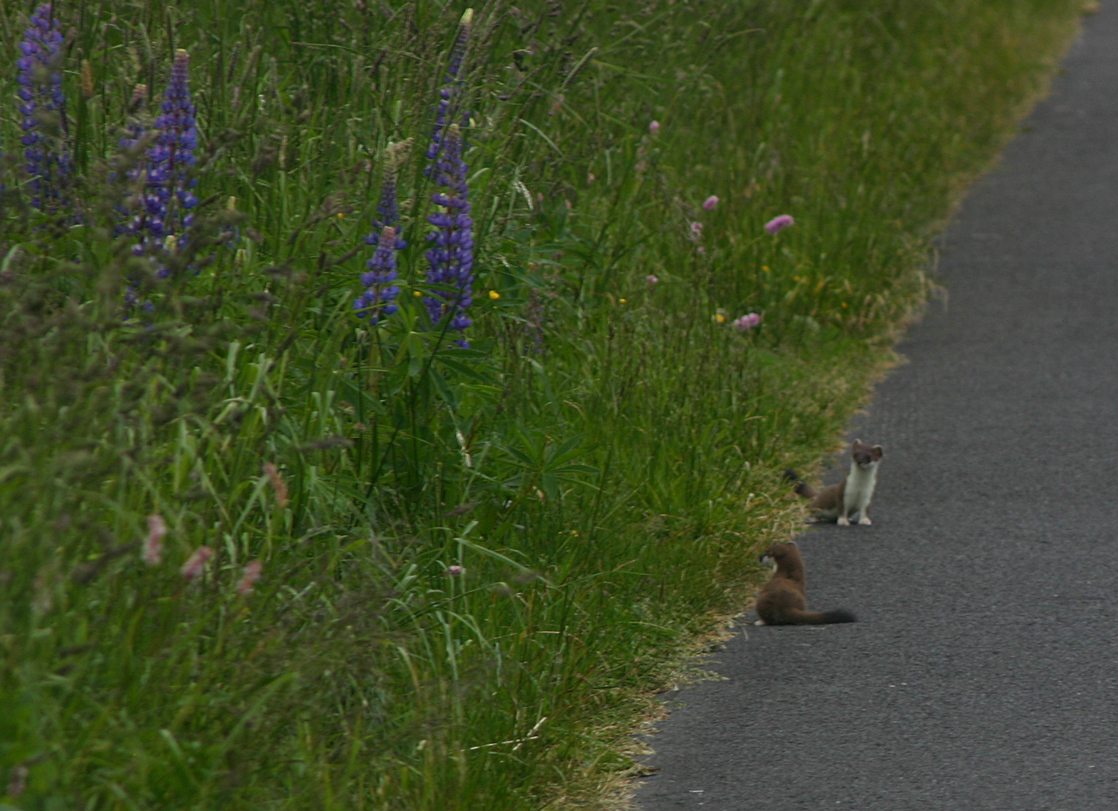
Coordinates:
<point>778,224</point>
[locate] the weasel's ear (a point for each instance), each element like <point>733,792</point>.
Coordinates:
<point>790,543</point>
<point>877,451</point>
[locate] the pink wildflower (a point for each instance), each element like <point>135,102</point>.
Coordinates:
<point>651,279</point>
<point>196,563</point>
<point>153,544</point>
<point>278,483</point>
<point>747,322</point>
<point>654,128</point>
<point>710,203</point>
<point>454,570</point>
<point>778,224</point>
<point>696,230</point>
<point>18,783</point>
<point>249,577</point>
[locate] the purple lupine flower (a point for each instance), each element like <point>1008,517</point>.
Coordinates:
<point>449,92</point>
<point>710,203</point>
<point>746,322</point>
<point>169,199</point>
<point>388,209</point>
<point>377,301</point>
<point>696,231</point>
<point>380,292</point>
<point>778,224</point>
<point>452,257</point>
<point>43,108</point>
<point>654,128</point>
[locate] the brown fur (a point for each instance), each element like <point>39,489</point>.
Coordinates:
<point>781,601</point>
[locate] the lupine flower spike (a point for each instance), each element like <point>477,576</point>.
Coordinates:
<point>43,107</point>
<point>388,209</point>
<point>778,224</point>
<point>377,301</point>
<point>380,293</point>
<point>452,257</point>
<point>710,203</point>
<point>169,198</point>
<point>450,91</point>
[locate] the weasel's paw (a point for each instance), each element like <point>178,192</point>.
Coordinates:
<point>865,521</point>
<point>759,622</point>
<point>843,521</point>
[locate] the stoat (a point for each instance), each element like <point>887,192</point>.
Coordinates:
<point>781,601</point>
<point>849,501</point>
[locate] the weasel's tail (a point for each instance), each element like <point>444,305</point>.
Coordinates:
<point>826,617</point>
<point>799,486</point>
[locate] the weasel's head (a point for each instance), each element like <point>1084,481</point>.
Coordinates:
<point>778,552</point>
<point>865,456</point>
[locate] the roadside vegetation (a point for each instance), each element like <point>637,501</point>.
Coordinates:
<point>388,391</point>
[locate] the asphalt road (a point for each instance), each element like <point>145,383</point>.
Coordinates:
<point>983,673</point>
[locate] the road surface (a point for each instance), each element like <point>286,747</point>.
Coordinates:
<point>983,673</point>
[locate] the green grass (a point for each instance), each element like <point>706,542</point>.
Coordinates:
<point>603,462</point>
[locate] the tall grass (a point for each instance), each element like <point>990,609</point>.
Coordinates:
<point>472,558</point>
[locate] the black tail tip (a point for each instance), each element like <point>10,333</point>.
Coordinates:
<point>839,616</point>
<point>791,476</point>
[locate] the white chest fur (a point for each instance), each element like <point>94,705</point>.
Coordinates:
<point>858,492</point>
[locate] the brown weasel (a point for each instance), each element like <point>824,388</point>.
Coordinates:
<point>848,501</point>
<point>781,601</point>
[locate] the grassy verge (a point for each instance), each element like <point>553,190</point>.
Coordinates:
<point>470,558</point>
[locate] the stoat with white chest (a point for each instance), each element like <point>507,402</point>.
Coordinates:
<point>848,501</point>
